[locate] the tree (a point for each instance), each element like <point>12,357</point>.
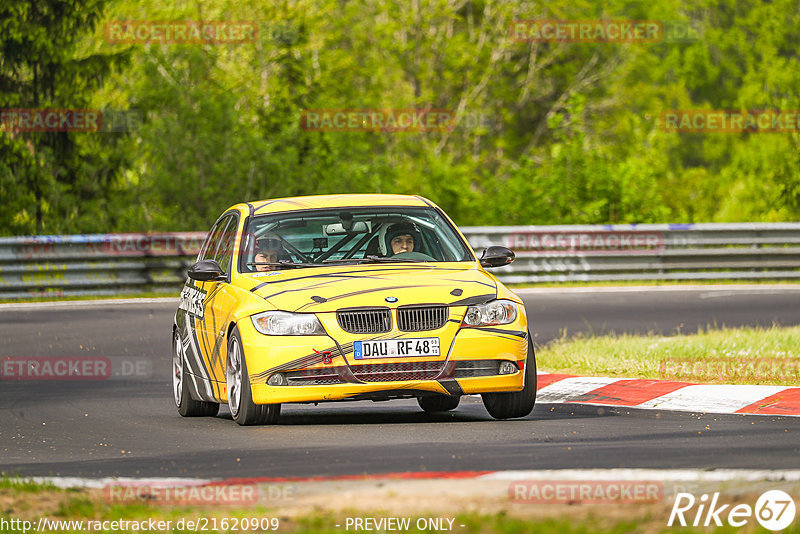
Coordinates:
<point>47,174</point>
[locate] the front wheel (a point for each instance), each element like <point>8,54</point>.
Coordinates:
<point>517,403</point>
<point>187,406</point>
<point>240,396</point>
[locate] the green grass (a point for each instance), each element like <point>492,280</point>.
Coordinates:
<point>22,484</point>
<point>727,355</point>
<point>85,505</point>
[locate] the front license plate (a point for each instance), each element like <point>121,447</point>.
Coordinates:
<point>392,348</point>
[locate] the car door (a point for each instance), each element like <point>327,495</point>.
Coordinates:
<point>218,304</point>
<point>191,318</point>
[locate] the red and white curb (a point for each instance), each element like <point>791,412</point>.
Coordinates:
<point>668,395</point>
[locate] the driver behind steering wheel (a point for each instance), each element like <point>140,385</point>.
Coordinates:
<point>401,237</point>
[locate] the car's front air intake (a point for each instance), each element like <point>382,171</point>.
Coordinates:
<point>420,318</point>
<point>365,321</point>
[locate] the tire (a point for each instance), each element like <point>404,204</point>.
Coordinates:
<point>439,403</point>
<point>518,403</point>
<point>240,396</point>
<point>187,406</point>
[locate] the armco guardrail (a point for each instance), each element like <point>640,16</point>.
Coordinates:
<point>100,264</point>
<point>749,251</point>
<point>95,264</point>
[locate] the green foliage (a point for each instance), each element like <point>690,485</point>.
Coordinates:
<point>547,133</point>
<point>48,177</point>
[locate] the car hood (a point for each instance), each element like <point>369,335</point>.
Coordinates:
<point>331,288</point>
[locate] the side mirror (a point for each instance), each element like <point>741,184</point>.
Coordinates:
<point>497,257</point>
<point>206,271</point>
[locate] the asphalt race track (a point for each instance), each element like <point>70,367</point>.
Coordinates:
<point>128,426</point>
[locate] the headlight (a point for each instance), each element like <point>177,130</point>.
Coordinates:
<point>491,313</point>
<point>279,323</point>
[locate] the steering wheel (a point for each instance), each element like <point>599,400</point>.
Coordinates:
<point>419,256</point>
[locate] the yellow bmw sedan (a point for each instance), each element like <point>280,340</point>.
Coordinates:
<point>347,297</point>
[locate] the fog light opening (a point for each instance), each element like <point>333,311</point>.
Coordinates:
<point>508,368</point>
<point>278,379</point>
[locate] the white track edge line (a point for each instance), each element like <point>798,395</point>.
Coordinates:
<point>664,475</point>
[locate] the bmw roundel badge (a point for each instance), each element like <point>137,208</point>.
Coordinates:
<point>391,299</point>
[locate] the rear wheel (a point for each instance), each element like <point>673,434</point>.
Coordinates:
<point>439,403</point>
<point>187,406</point>
<point>240,396</point>
<point>518,403</point>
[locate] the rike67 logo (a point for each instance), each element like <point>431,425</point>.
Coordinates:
<point>774,510</point>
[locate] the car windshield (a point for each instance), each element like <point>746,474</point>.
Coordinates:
<point>349,235</point>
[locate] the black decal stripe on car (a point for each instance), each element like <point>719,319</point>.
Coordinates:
<point>477,299</point>
<point>186,345</point>
<point>259,286</point>
<point>339,277</point>
<point>315,358</point>
<point>283,201</point>
<point>425,201</point>
<point>447,371</point>
<point>449,353</point>
<point>348,376</point>
<point>203,346</point>
<point>305,288</point>
<point>213,354</point>
<point>216,356</point>
<point>201,372</point>
<point>302,362</point>
<point>487,284</point>
<point>352,274</point>
<point>515,333</point>
<point>452,386</point>
<point>299,363</point>
<point>367,291</point>
<point>345,295</point>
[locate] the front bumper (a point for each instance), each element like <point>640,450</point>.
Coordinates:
<point>322,368</point>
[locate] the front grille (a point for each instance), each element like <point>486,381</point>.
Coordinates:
<point>420,318</point>
<point>370,372</point>
<point>389,372</point>
<point>365,321</point>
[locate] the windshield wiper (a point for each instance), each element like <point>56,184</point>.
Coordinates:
<point>371,259</point>
<point>379,259</point>
<point>282,263</point>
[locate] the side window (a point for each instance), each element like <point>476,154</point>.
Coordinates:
<point>212,241</point>
<point>219,245</point>
<point>224,253</point>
